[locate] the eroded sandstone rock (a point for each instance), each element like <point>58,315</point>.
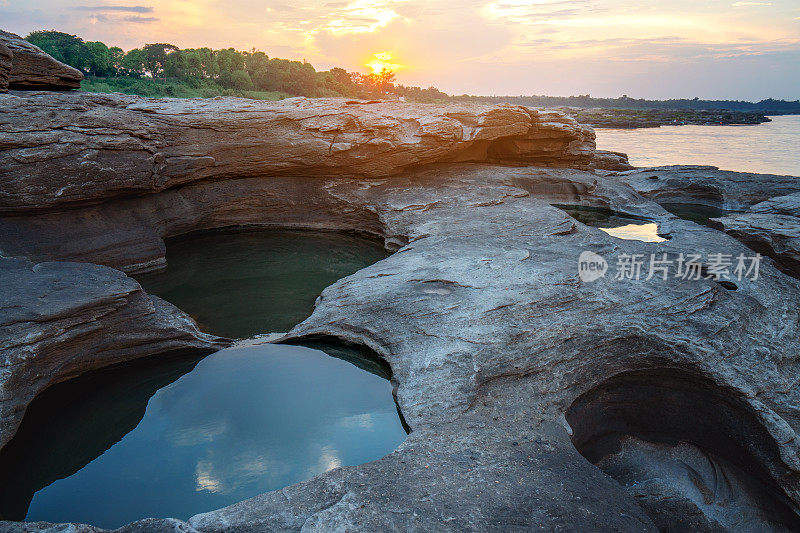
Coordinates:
<point>61,149</point>
<point>6,58</point>
<point>31,68</point>
<point>724,189</point>
<point>59,320</point>
<point>492,337</point>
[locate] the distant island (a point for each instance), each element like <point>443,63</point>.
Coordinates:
<point>165,70</point>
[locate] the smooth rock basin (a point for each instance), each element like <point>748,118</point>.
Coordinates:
<point>240,283</point>
<point>616,224</point>
<point>177,435</point>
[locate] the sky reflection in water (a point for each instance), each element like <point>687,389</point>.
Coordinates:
<point>159,438</point>
<point>244,421</point>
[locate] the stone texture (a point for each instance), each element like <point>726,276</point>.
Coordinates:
<point>495,342</point>
<point>608,160</point>
<point>771,227</point>
<point>59,320</point>
<point>710,186</point>
<point>128,234</point>
<point>6,58</point>
<point>31,68</point>
<point>81,148</point>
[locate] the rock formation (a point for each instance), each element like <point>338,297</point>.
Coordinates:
<point>61,149</point>
<point>59,320</point>
<point>537,400</point>
<point>25,66</point>
<point>772,228</point>
<point>766,206</point>
<point>705,185</point>
<point>6,58</point>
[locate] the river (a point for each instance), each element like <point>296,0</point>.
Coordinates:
<point>769,148</point>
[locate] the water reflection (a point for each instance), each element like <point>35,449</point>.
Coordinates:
<point>616,224</point>
<point>769,148</point>
<point>176,435</point>
<point>244,421</point>
<point>238,284</point>
<point>697,213</point>
<point>637,232</point>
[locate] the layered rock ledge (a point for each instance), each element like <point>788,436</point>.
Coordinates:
<point>25,66</point>
<point>65,149</point>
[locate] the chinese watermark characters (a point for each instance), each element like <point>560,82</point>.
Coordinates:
<point>717,266</point>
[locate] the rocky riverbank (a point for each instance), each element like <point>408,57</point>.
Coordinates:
<point>537,399</point>
<point>653,118</point>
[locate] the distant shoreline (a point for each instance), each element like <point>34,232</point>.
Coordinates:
<point>653,118</point>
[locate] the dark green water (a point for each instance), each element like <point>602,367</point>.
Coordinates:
<point>697,213</point>
<point>238,284</point>
<point>177,435</point>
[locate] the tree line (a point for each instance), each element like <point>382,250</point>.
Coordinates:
<point>203,67</point>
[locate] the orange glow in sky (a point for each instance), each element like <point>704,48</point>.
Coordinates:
<point>383,60</point>
<point>643,48</point>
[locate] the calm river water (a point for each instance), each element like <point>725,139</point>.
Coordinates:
<point>769,148</point>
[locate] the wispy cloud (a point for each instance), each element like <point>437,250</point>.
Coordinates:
<point>134,18</point>
<point>745,4</point>
<point>124,9</point>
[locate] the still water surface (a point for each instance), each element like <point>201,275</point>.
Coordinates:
<point>769,148</point>
<point>175,436</point>
<point>241,283</point>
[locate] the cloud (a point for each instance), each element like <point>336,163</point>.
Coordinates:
<point>124,9</point>
<point>141,19</point>
<point>744,4</point>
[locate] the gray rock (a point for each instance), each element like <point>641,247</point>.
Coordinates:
<point>773,235</point>
<point>709,186</point>
<point>31,68</point>
<point>6,58</point>
<point>128,234</point>
<point>80,148</point>
<point>59,320</point>
<point>780,205</point>
<point>608,160</point>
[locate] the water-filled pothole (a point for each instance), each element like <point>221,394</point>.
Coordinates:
<point>172,436</point>
<point>240,283</point>
<point>698,213</point>
<point>615,223</point>
<point>693,455</point>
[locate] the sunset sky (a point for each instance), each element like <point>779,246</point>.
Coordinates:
<point>647,48</point>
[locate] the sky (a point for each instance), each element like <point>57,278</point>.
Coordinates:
<point>645,49</point>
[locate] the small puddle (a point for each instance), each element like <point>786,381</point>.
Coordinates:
<point>615,223</point>
<point>173,436</point>
<point>697,213</point>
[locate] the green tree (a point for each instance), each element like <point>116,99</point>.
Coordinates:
<point>100,60</point>
<point>64,47</point>
<point>155,57</point>
<point>133,63</point>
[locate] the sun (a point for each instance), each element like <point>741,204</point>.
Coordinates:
<point>381,61</point>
